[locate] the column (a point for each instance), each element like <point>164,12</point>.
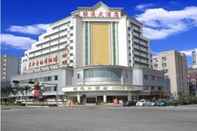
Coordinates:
<point>78,98</point>
<point>104,99</point>
<point>129,97</point>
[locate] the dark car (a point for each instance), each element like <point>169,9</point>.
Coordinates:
<point>129,103</point>
<point>161,103</point>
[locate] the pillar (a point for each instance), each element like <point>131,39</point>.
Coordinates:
<point>129,97</point>
<point>78,98</point>
<point>104,99</point>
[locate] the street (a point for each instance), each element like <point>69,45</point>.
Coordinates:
<point>95,118</point>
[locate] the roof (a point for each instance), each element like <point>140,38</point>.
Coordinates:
<point>99,4</point>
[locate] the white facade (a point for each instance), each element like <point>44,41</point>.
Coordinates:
<point>62,44</point>
<point>54,49</point>
<point>106,50</point>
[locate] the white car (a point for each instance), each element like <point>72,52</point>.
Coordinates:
<point>141,102</point>
<point>149,103</point>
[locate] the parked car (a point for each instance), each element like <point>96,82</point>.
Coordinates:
<point>149,103</point>
<point>129,103</point>
<point>161,103</point>
<point>144,102</point>
<point>141,102</point>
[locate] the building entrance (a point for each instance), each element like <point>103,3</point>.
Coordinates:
<point>91,100</point>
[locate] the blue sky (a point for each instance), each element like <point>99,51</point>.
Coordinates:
<point>169,24</point>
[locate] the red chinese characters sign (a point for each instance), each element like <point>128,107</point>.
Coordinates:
<point>43,61</point>
<point>104,14</point>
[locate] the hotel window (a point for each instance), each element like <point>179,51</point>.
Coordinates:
<point>48,78</point>
<point>129,28</point>
<point>71,27</point>
<point>71,61</point>
<point>71,47</point>
<point>146,77</point>
<point>163,58</point>
<point>55,88</point>
<point>55,77</point>
<point>4,77</point>
<point>153,77</point>
<point>71,54</point>
<point>165,71</point>
<point>71,34</point>
<point>156,65</point>
<point>155,59</point>
<point>146,88</point>
<point>78,75</point>
<point>71,41</point>
<point>97,88</point>
<point>164,64</point>
<point>112,74</point>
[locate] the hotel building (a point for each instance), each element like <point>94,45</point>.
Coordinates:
<point>174,65</point>
<point>102,51</point>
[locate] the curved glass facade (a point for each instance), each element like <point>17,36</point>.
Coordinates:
<point>112,74</point>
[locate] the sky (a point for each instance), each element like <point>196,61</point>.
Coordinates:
<point>169,24</point>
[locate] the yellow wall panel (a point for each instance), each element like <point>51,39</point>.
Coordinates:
<point>100,44</point>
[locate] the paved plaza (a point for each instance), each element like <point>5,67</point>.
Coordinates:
<point>98,118</point>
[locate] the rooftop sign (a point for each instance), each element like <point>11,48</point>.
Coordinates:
<point>100,14</point>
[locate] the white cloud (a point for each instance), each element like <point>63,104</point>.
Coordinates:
<point>17,41</point>
<point>144,6</point>
<point>161,23</point>
<point>35,29</point>
<point>189,52</point>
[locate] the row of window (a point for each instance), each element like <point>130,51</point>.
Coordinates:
<point>154,88</point>
<point>163,59</point>
<point>113,74</point>
<point>67,62</point>
<point>50,89</point>
<point>49,78</point>
<point>152,77</point>
<point>134,26</point>
<point>55,33</point>
<point>49,49</point>
<point>63,24</point>
<point>141,64</point>
<point>43,79</point>
<point>54,40</point>
<point>163,65</point>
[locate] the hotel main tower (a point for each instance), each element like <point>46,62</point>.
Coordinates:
<point>94,55</point>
